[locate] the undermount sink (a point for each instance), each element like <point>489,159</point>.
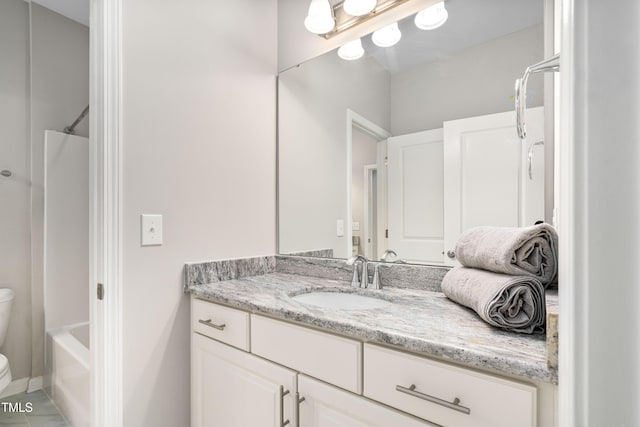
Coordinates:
<point>340,300</point>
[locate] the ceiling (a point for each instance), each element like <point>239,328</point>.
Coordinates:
<point>78,10</point>
<point>470,23</point>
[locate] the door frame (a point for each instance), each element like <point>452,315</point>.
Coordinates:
<point>366,228</point>
<point>367,126</point>
<point>106,220</point>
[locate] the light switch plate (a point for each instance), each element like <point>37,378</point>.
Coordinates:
<point>150,230</point>
<point>340,228</point>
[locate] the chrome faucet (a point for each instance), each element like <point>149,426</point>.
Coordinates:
<point>363,280</point>
<point>387,253</point>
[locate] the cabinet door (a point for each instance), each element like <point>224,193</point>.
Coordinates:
<point>327,406</point>
<point>232,388</point>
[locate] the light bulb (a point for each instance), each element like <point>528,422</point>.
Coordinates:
<point>358,7</point>
<point>432,17</point>
<point>352,50</point>
<point>387,36</point>
<point>319,20</point>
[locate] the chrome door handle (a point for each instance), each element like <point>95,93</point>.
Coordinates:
<point>212,325</point>
<point>283,393</point>
<point>6,172</point>
<point>455,405</point>
<point>530,157</point>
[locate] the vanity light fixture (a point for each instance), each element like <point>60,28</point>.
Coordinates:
<point>432,17</point>
<point>387,36</point>
<point>352,50</point>
<point>320,19</point>
<point>359,7</point>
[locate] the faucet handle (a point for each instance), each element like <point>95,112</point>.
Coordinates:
<point>375,284</point>
<point>355,279</point>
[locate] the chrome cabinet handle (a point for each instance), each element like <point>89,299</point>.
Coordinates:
<point>299,400</point>
<point>455,405</point>
<point>530,157</point>
<point>283,393</point>
<point>451,254</point>
<point>6,172</point>
<point>212,325</point>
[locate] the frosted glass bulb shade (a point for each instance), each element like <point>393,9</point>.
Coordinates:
<point>319,20</point>
<point>351,51</point>
<point>387,36</point>
<point>432,17</point>
<point>358,7</point>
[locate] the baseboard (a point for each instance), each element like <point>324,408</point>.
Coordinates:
<point>35,384</point>
<point>15,387</point>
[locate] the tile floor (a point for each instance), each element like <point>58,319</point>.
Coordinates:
<point>43,413</point>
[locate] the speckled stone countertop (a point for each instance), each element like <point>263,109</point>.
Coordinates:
<point>420,321</point>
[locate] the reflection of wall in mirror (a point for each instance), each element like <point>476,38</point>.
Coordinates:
<point>313,99</point>
<point>477,81</point>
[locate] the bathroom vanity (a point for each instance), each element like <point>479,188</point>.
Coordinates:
<point>262,356</point>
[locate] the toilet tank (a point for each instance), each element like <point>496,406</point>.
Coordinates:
<point>6,301</point>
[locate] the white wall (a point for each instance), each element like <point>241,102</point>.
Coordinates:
<point>59,93</point>
<point>15,245</point>
<point>199,97</point>
<point>312,164</point>
<point>477,81</point>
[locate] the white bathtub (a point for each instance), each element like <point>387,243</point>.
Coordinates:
<point>70,388</point>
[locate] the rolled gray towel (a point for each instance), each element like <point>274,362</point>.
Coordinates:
<point>514,303</point>
<point>524,251</point>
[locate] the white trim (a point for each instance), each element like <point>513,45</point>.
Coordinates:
<point>355,119</point>
<point>566,214</point>
<point>15,387</point>
<point>106,213</point>
<point>35,384</point>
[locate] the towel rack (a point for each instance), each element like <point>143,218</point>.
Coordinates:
<point>548,65</point>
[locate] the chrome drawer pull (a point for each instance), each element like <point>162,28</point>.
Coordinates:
<point>299,400</point>
<point>212,325</point>
<point>455,405</point>
<point>283,393</point>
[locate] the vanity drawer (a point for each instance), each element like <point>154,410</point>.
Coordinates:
<point>330,358</point>
<point>492,401</point>
<point>221,323</point>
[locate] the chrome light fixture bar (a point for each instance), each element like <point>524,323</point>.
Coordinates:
<point>344,21</point>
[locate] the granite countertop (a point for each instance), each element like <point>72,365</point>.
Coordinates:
<point>420,321</point>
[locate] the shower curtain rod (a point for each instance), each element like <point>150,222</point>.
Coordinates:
<point>71,129</point>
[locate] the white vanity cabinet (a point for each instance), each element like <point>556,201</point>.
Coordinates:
<point>325,406</point>
<point>251,370</point>
<point>230,387</point>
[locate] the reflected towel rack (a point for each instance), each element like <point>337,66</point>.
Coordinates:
<point>548,65</point>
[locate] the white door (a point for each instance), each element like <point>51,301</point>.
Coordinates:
<point>327,406</point>
<point>232,388</point>
<point>486,174</point>
<point>415,195</point>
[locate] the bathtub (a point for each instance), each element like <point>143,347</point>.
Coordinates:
<point>69,387</point>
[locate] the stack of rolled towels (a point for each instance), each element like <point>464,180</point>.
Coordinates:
<point>504,275</point>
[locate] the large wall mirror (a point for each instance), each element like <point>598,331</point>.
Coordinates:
<point>406,147</point>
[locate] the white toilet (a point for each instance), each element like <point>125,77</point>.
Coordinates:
<point>6,301</point>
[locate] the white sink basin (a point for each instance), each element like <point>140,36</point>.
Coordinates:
<point>341,300</point>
